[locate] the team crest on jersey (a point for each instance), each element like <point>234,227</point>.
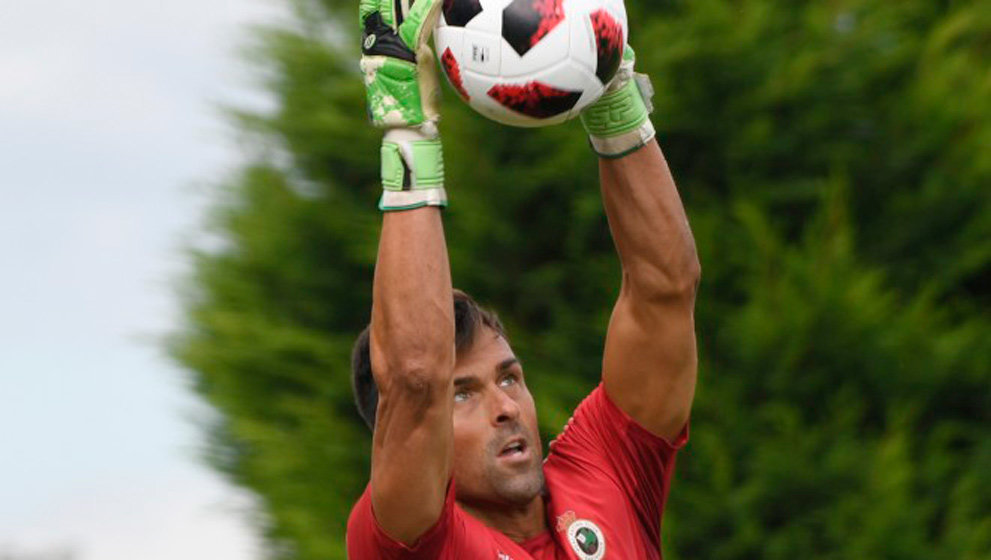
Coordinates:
<point>585,537</point>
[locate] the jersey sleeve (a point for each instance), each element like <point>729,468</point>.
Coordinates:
<point>449,539</point>
<point>601,438</point>
<point>366,539</point>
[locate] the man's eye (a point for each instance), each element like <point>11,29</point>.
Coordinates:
<point>508,380</point>
<point>460,396</point>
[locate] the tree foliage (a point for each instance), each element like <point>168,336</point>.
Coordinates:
<point>834,161</point>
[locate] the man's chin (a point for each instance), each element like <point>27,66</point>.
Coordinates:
<point>521,488</point>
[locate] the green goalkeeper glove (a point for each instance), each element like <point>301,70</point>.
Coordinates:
<point>402,92</point>
<point>619,123</point>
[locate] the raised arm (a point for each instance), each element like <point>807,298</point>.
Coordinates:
<point>412,351</point>
<point>412,330</point>
<point>650,360</point>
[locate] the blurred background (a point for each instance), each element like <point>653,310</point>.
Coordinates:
<point>109,140</point>
<point>834,159</point>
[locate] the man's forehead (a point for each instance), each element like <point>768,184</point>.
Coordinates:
<point>484,345</point>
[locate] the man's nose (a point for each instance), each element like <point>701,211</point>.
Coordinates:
<point>505,409</point>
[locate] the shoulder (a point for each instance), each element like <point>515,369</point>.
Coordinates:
<point>366,539</point>
<point>455,535</point>
<point>598,422</point>
<point>602,449</point>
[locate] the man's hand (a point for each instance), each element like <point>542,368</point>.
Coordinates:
<point>619,123</point>
<point>402,91</point>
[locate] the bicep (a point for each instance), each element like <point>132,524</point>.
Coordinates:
<point>650,362</point>
<point>411,455</point>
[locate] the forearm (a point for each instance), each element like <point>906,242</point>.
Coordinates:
<point>650,360</point>
<point>412,352</point>
<point>412,311</point>
<point>649,225</point>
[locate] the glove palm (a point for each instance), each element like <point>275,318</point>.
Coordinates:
<point>402,92</point>
<point>400,75</point>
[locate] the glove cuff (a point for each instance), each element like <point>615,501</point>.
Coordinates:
<point>619,123</point>
<point>412,170</point>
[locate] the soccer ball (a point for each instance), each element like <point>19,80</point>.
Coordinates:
<point>531,63</point>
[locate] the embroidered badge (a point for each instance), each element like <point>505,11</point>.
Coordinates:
<point>585,537</point>
<point>565,520</point>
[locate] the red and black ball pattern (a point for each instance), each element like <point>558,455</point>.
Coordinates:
<point>526,22</point>
<point>609,43</point>
<point>535,99</point>
<point>453,71</point>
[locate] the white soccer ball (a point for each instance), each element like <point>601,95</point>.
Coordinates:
<point>531,63</point>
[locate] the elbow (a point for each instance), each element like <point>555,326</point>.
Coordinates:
<point>424,376</point>
<point>418,388</point>
<point>693,276</point>
<point>685,284</point>
<point>414,358</point>
<point>666,283</point>
<point>690,269</point>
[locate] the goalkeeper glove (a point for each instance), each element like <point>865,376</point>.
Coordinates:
<point>619,122</point>
<point>402,93</point>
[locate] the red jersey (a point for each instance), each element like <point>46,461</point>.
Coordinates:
<point>607,481</point>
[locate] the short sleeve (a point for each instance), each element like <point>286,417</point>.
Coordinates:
<point>367,541</point>
<point>455,536</point>
<point>602,438</point>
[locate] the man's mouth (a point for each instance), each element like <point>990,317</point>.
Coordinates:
<point>515,450</point>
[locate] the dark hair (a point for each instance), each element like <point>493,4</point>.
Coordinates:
<point>469,317</point>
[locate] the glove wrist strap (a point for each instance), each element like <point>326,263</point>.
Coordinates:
<point>412,170</point>
<point>619,123</point>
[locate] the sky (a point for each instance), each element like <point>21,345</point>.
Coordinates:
<point>110,139</point>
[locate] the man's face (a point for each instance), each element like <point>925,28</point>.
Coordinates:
<point>497,452</point>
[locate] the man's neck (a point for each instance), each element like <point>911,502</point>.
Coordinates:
<point>518,523</point>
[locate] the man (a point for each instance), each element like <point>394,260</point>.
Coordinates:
<point>457,469</point>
